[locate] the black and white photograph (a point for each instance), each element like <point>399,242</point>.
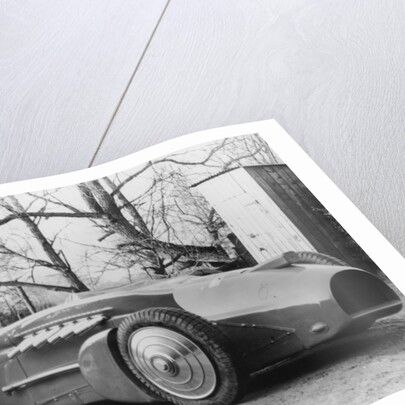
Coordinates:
<point>209,276</point>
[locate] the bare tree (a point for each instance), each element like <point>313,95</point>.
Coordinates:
<point>57,260</point>
<point>138,239</point>
<point>163,228</point>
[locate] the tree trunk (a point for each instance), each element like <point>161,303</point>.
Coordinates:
<point>100,200</point>
<point>27,300</point>
<point>57,261</point>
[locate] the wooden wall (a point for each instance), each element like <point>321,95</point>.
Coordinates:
<point>271,211</point>
<point>308,214</point>
<point>257,221</point>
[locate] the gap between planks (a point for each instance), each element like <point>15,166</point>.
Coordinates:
<point>138,64</point>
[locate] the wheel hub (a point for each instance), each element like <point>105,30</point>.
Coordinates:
<point>163,365</point>
<point>172,362</point>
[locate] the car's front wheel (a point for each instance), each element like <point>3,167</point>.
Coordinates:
<point>181,357</point>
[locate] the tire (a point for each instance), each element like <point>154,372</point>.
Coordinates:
<point>169,351</point>
<point>319,258</point>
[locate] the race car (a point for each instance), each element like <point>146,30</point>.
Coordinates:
<point>188,340</point>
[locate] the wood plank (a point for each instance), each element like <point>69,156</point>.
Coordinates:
<point>329,71</point>
<point>64,66</point>
<point>306,212</point>
<point>276,188</point>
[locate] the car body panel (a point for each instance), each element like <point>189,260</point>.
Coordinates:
<point>115,383</point>
<point>271,313</point>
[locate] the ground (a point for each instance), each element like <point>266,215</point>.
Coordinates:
<point>355,370</point>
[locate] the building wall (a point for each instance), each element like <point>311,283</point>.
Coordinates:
<point>271,211</point>
<point>257,221</point>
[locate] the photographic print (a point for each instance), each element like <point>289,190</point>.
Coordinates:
<point>210,275</point>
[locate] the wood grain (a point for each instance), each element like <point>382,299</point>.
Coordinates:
<point>63,67</point>
<point>330,72</point>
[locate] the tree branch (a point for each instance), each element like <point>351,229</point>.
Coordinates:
<point>50,215</point>
<point>6,251</point>
<point>118,188</point>
<point>149,164</point>
<point>46,286</point>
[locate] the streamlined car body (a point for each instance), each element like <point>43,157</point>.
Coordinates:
<point>189,339</point>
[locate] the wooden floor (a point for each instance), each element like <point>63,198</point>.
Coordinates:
<point>84,82</point>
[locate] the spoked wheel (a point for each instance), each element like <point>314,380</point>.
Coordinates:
<point>181,357</point>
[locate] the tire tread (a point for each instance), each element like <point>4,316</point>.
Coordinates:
<point>215,344</point>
